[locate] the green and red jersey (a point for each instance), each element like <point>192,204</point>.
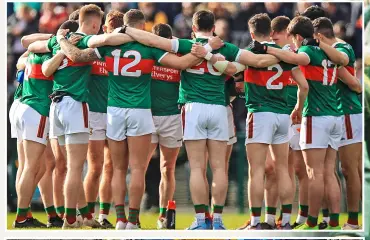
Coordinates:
<point>18,91</point>
<point>72,78</point>
<point>98,87</point>
<point>266,88</point>
<point>349,99</point>
<point>130,67</point>
<point>321,75</point>
<point>203,83</point>
<point>165,90</point>
<point>36,86</point>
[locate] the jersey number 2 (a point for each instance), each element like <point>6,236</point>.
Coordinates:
<point>124,71</point>
<point>279,72</point>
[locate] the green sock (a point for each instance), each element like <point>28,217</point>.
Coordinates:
<point>255,211</point>
<point>120,213</point>
<point>200,208</point>
<point>311,221</point>
<point>60,210</point>
<point>352,218</point>
<point>271,210</point>
<point>50,211</point>
<point>133,215</point>
<point>104,208</point>
<point>218,209</point>
<point>325,212</point>
<point>21,214</point>
<point>85,212</point>
<point>303,210</point>
<point>70,215</point>
<point>162,212</point>
<point>91,207</point>
<point>334,220</point>
<point>287,208</point>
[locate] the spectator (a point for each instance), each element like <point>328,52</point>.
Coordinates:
<point>302,6</point>
<point>275,9</point>
<point>222,29</point>
<point>52,16</point>
<point>184,21</point>
<point>23,22</point>
<point>123,7</point>
<point>152,15</point>
<point>336,13</point>
<point>340,29</point>
<point>220,11</point>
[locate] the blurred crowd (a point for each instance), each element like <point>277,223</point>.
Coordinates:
<point>231,24</point>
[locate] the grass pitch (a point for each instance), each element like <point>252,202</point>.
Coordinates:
<point>183,219</point>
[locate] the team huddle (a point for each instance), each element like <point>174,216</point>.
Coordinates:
<point>112,98</point>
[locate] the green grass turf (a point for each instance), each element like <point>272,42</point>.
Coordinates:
<point>183,220</point>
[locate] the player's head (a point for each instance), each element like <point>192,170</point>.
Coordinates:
<point>113,20</point>
<point>314,12</point>
<point>299,29</point>
<point>203,21</point>
<point>279,33</point>
<point>70,24</point>
<point>323,29</point>
<point>260,26</point>
<point>134,18</point>
<point>90,18</point>
<point>163,30</point>
<point>74,15</point>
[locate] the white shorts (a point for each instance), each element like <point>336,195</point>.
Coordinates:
<point>31,125</point>
<point>231,128</point>
<point>321,132</point>
<point>68,116</point>
<point>12,117</point>
<point>267,127</point>
<point>168,131</point>
<point>352,131</point>
<point>123,122</point>
<point>98,126</point>
<point>294,132</point>
<point>205,121</point>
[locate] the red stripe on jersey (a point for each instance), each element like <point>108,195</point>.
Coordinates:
<point>348,124</point>
<point>145,65</point>
<point>315,73</point>
<point>165,74</point>
<point>70,63</point>
<point>261,78</point>
<point>41,129</point>
<point>309,130</point>
<point>99,68</point>
<point>250,125</point>
<point>85,113</point>
<point>183,118</point>
<point>36,72</point>
<point>351,70</point>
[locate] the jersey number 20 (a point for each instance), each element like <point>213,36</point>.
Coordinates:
<point>124,71</point>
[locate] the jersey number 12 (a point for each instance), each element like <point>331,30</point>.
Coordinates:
<point>124,71</point>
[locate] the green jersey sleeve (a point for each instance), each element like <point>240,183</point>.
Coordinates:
<point>46,57</point>
<point>82,44</point>
<point>158,54</point>
<point>102,51</point>
<point>184,46</point>
<point>51,43</point>
<point>306,50</point>
<point>231,52</point>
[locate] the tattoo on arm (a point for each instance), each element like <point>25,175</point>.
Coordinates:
<point>76,54</point>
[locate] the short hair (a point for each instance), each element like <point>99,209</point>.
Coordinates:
<point>90,10</point>
<point>114,19</point>
<point>163,30</point>
<point>133,17</point>
<point>324,26</point>
<point>74,15</point>
<point>313,12</point>
<point>280,24</point>
<point>260,24</point>
<point>204,20</point>
<point>302,26</point>
<point>72,25</point>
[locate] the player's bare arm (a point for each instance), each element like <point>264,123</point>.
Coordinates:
<point>351,81</point>
<point>173,61</point>
<point>169,45</point>
<point>289,57</point>
<point>334,55</point>
<point>50,66</point>
<point>257,60</point>
<point>110,39</point>
<point>39,47</point>
<point>302,93</point>
<point>22,60</point>
<point>28,39</point>
<point>76,54</point>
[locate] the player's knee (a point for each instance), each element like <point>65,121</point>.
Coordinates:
<point>300,172</point>
<point>60,169</point>
<point>269,169</point>
<point>167,172</point>
<point>108,168</point>
<point>95,170</point>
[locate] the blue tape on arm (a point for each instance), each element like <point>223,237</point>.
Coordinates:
<point>20,76</point>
